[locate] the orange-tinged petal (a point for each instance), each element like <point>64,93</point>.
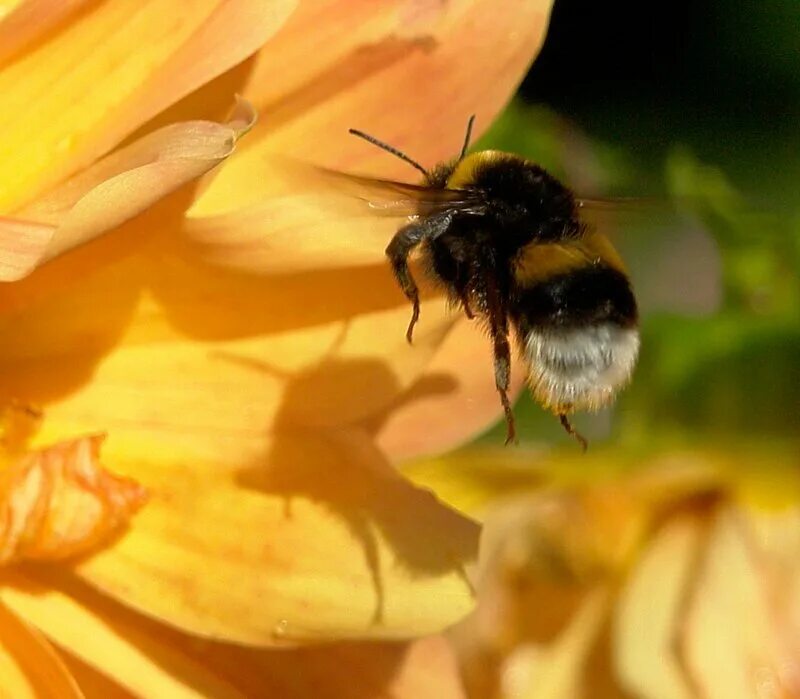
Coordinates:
<point>22,244</point>
<point>737,635</point>
<point>414,92</point>
<point>648,614</point>
<point>29,667</point>
<point>116,189</point>
<point>126,64</point>
<point>58,502</point>
<point>451,402</point>
<point>558,670</point>
<point>93,683</point>
<point>149,659</point>
<point>22,21</point>
<point>421,669</point>
<point>317,538</point>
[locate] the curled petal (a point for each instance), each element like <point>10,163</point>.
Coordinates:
<point>22,244</point>
<point>58,502</point>
<point>29,666</point>
<point>116,189</point>
<point>94,79</point>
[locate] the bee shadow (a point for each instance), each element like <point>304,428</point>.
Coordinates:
<point>340,468</point>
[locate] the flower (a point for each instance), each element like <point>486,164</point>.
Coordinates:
<point>260,404</point>
<point>671,578</point>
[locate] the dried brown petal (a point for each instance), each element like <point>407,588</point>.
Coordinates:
<point>59,502</point>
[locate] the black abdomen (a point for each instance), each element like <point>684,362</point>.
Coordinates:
<point>591,295</point>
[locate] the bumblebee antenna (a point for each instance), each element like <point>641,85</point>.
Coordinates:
<point>467,136</point>
<point>389,149</point>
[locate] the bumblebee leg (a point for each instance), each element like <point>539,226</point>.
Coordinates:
<point>498,327</point>
<point>565,423</point>
<point>398,250</point>
<point>502,375</point>
<point>463,296</point>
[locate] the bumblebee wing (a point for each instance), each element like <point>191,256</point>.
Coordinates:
<point>643,204</point>
<point>401,199</point>
<point>316,219</point>
<point>656,238</point>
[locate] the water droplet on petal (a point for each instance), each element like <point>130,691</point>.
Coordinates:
<point>280,629</point>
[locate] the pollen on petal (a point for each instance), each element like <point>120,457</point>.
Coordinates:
<point>59,502</point>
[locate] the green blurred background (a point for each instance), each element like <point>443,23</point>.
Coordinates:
<point>698,105</point>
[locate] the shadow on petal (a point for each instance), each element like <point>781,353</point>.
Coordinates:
<point>372,500</point>
<point>29,667</point>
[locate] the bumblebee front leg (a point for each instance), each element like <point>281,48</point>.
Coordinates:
<point>398,251</point>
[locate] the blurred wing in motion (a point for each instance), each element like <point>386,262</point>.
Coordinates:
<point>317,219</point>
<point>391,198</point>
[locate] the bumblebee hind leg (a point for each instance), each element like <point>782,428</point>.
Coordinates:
<point>502,375</point>
<point>498,328</point>
<point>565,423</point>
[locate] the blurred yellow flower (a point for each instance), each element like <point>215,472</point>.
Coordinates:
<point>247,365</point>
<point>679,580</point>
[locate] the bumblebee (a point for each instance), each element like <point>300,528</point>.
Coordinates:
<point>507,243</point>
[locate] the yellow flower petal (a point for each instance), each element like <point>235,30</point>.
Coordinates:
<point>649,612</point>
<point>59,502</point>
<point>456,393</point>
<point>116,189</point>
<point>29,667</point>
<point>318,539</point>
<point>293,233</point>
<point>151,660</point>
<point>99,76</point>
<point>304,350</point>
<point>415,92</point>
<point>141,662</point>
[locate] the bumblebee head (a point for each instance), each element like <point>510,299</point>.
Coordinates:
<point>580,337</point>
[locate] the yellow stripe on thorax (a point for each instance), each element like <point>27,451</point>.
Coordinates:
<point>464,172</point>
